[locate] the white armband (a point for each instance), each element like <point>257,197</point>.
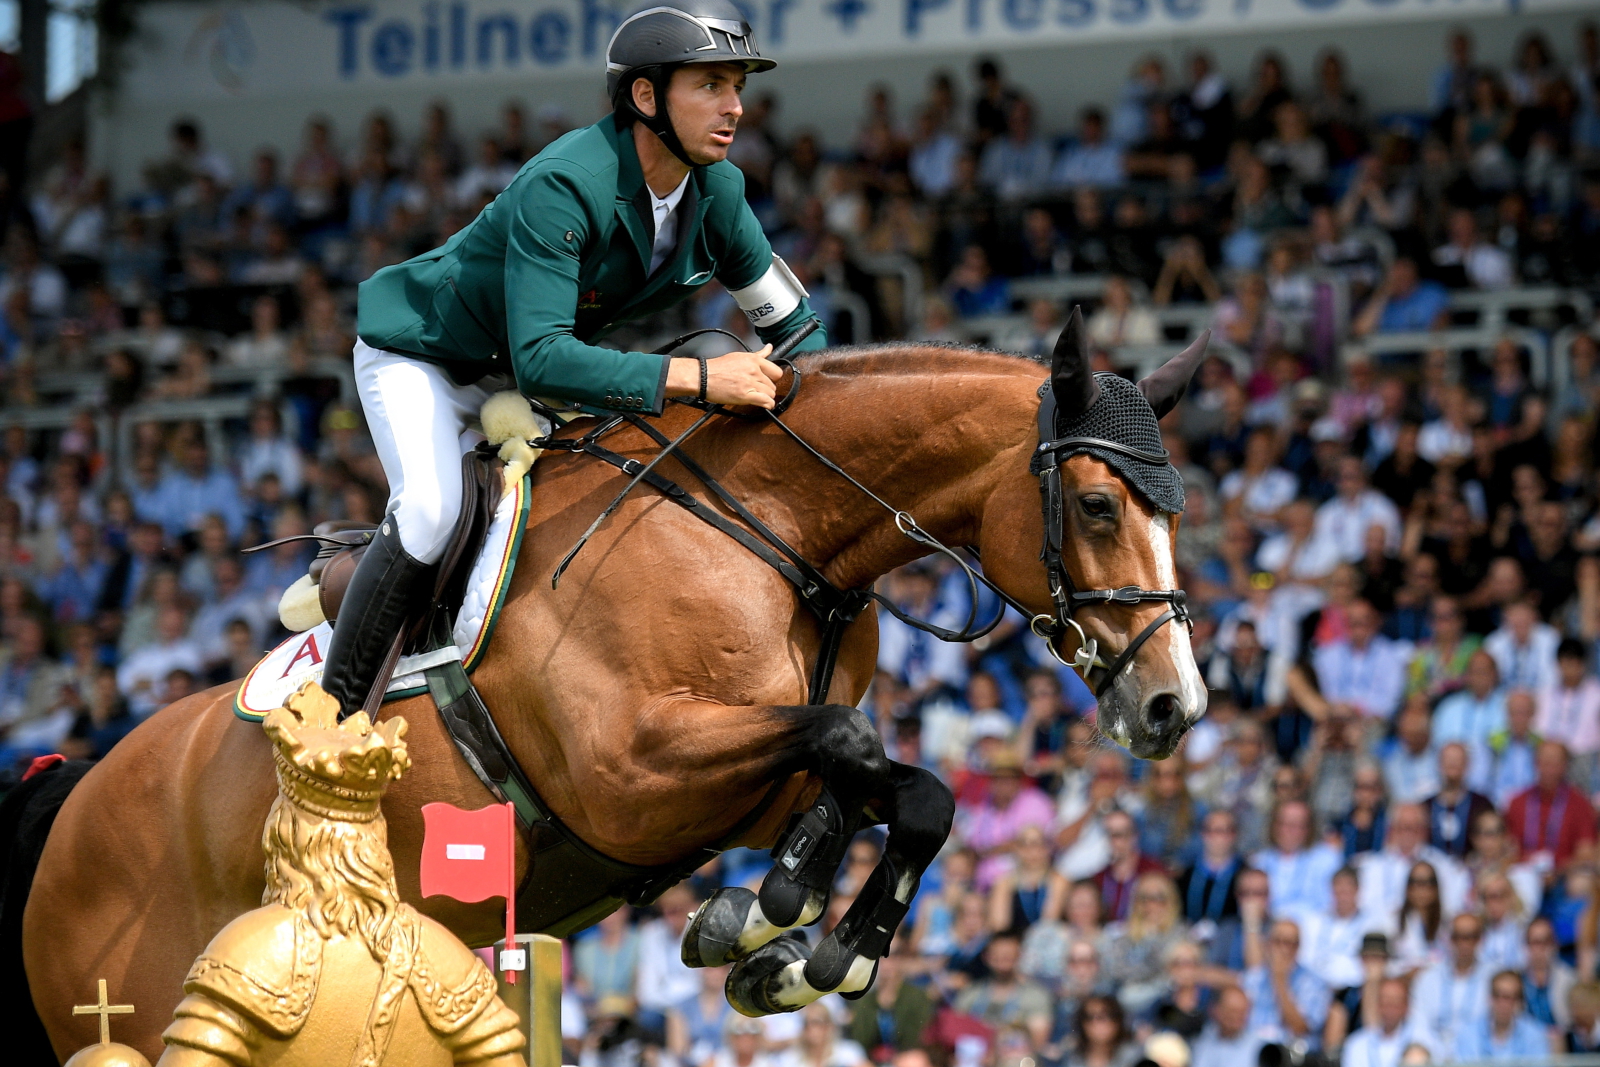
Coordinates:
<point>770,298</point>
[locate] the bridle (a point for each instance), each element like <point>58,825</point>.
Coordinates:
<point>1046,465</point>
<point>838,608</point>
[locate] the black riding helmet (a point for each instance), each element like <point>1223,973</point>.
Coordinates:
<point>658,40</point>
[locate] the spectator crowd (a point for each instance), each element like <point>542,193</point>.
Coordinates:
<point>1379,845</point>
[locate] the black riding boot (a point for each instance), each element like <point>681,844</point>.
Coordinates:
<point>382,590</point>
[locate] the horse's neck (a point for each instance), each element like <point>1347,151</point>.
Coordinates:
<point>923,434</point>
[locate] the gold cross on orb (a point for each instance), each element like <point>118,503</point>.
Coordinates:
<point>105,1011</point>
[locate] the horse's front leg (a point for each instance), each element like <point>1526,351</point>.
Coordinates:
<point>784,976</point>
<point>838,744</point>
<point>861,786</point>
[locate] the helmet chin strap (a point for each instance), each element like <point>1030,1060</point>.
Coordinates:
<point>660,123</point>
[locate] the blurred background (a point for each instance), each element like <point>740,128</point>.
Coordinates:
<point>1378,847</point>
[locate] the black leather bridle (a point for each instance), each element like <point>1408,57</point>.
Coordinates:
<point>837,608</point>
<point>1046,465</point>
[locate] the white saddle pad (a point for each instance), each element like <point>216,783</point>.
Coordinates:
<point>299,659</point>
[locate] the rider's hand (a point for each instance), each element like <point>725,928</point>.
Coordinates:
<point>738,378</point>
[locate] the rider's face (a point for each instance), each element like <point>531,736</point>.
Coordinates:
<point>704,104</point>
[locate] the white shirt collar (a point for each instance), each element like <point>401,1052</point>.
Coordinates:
<point>670,201</point>
<point>666,239</point>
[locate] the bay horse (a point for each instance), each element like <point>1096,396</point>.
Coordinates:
<point>654,697</point>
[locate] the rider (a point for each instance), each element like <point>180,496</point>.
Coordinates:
<point>609,223</point>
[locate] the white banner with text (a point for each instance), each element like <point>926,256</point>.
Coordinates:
<point>271,48</point>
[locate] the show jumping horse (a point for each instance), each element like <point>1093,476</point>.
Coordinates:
<point>654,697</point>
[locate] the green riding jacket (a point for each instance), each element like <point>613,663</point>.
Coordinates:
<point>557,261</point>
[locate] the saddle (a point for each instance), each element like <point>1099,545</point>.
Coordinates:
<point>341,544</point>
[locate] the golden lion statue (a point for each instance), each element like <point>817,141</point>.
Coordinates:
<point>333,969</point>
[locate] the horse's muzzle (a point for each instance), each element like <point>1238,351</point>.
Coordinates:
<point>1155,731</point>
<point>1151,729</point>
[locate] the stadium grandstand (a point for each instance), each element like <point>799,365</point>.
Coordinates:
<point>1379,846</point>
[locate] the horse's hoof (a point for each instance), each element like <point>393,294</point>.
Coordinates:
<point>712,936</point>
<point>757,983</point>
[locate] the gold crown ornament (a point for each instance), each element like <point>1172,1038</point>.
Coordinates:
<point>334,769</point>
<point>333,959</point>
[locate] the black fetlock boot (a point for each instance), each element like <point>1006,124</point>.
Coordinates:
<point>383,589</point>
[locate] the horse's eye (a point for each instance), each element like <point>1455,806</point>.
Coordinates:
<point>1096,507</point>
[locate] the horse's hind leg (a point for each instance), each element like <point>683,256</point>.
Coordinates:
<point>783,976</point>
<point>841,747</point>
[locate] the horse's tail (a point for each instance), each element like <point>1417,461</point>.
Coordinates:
<point>26,815</point>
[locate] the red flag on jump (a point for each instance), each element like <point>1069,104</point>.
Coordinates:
<point>467,854</point>
<point>472,856</point>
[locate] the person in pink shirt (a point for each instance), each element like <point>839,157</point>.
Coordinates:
<point>1569,709</point>
<point>1358,401</point>
<point>1010,803</point>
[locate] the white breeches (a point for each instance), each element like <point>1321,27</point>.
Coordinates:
<point>421,423</point>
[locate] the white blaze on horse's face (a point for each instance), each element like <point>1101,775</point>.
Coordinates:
<point>1156,698</point>
<point>1192,689</point>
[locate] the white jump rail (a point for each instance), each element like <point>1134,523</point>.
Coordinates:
<point>1137,361</point>
<point>1456,341</point>
<point>88,387</point>
<point>56,417</point>
<point>1064,287</point>
<point>987,330</point>
<point>1561,354</point>
<point>1191,318</point>
<point>1494,307</point>
<point>912,281</point>
<point>211,412</point>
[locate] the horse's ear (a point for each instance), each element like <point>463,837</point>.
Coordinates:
<point>1167,384</point>
<point>1071,377</point>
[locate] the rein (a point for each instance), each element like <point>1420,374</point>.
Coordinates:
<point>838,608</point>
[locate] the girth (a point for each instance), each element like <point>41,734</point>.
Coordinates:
<point>576,883</point>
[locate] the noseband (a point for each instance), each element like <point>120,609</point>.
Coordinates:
<point>1046,465</point>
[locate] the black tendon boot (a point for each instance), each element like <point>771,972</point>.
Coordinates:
<point>382,589</point>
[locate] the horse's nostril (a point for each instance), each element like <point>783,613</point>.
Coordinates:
<point>1162,709</point>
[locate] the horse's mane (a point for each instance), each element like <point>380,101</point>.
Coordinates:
<point>901,356</point>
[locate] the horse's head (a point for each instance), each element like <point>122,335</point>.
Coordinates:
<point>1112,501</point>
<point>1114,537</point>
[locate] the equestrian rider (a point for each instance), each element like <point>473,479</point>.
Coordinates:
<point>610,223</point>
